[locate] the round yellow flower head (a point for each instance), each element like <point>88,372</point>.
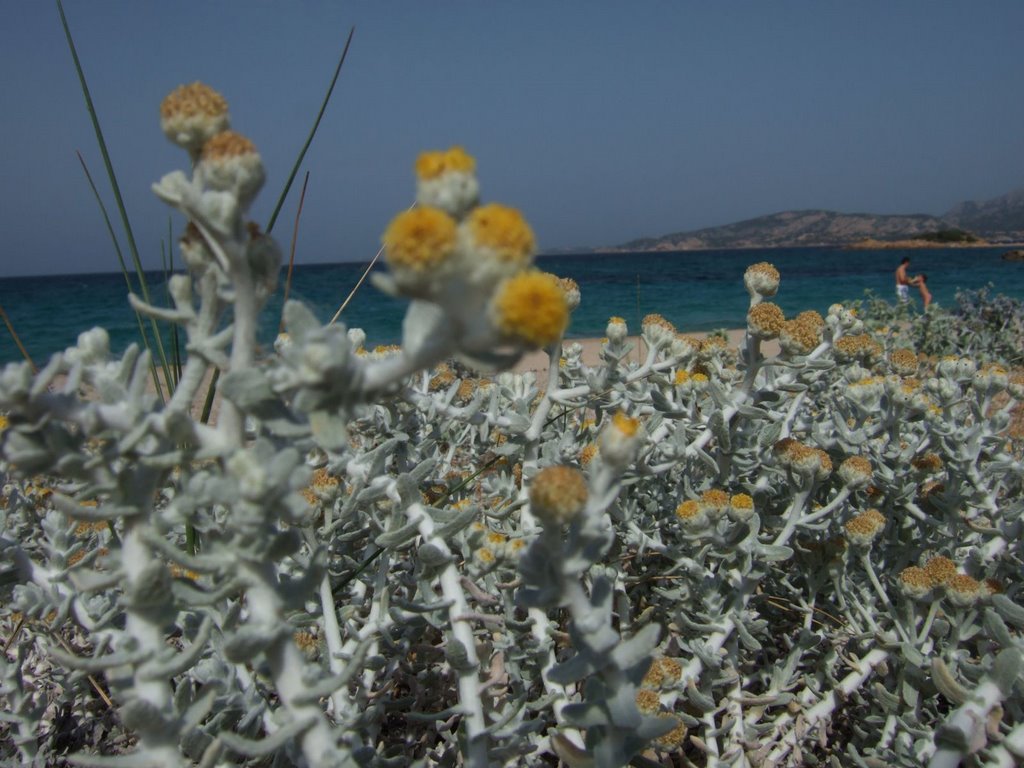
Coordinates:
<point>927,463</point>
<point>741,507</point>
<point>530,308</point>
<point>712,347</point>
<point>761,279</point>
<point>674,738</point>
<point>282,342</point>
<point>915,582</point>
<point>658,331</point>
<point>495,242</point>
<point>627,425</point>
<point>903,361</point>
<point>799,337</point>
<point>714,502</point>
<point>447,180</point>
<point>765,320</point>
<point>323,480</point>
<point>655,319</point>
<point>190,115</point>
<point>863,529</point>
<point>663,673</point>
<point>558,495</point>
<point>802,459</point>
<point>691,514</point>
<point>787,450</point>
<point>616,330</point>
<point>587,454</point>
<point>991,379</point>
<point>307,642</point>
<point>572,292</point>
<point>940,570</point>
<point>648,701</point>
<point>684,348</point>
<point>442,380</point>
<point>620,440</point>
<point>812,462</point>
<point>811,318</point>
<point>432,165</point>
<point>229,162</point>
<point>962,590</point>
<point>855,472</point>
<point>485,555</point>
<point>416,243</point>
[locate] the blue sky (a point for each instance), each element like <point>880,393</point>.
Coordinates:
<point>603,121</point>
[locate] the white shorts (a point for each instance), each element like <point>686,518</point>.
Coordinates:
<point>903,292</point>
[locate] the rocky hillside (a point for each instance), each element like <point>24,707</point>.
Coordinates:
<point>992,219</point>
<point>794,228</point>
<point>1000,220</point>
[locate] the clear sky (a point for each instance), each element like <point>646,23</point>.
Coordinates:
<point>602,121</point>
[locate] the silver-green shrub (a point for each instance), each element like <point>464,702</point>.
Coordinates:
<point>984,326</point>
<point>378,559</point>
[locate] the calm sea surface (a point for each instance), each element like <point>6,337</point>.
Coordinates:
<point>695,290</point>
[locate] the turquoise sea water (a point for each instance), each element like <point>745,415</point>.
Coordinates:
<point>695,290</point>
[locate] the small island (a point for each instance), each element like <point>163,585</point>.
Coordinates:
<point>943,237</point>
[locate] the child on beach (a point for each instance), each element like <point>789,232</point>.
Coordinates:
<point>903,281</point>
<point>921,281</point>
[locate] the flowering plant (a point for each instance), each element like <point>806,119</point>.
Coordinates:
<point>770,556</point>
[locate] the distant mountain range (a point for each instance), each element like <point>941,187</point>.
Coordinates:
<point>999,220</point>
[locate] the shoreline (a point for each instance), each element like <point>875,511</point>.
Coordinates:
<point>851,246</point>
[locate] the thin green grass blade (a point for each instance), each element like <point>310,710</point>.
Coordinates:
<point>358,285</point>
<point>362,279</point>
<point>312,133</point>
<point>291,254</point>
<point>210,394</point>
<point>132,247</point>
<point>175,338</point>
<point>124,271</point>
<point>17,341</point>
<point>168,270</point>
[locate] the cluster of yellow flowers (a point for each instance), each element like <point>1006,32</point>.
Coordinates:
<point>664,673</point>
<point>494,546</point>
<point>858,347</point>
<point>472,260</point>
<point>802,334</point>
<point>937,571</point>
<point>323,488</point>
<point>697,514</point>
<point>803,459</point>
<point>195,117</point>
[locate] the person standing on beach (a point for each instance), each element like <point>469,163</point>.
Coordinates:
<point>903,281</point>
<point>921,281</point>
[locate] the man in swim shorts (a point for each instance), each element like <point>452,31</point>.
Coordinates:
<point>903,281</point>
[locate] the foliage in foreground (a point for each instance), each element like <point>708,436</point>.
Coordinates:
<point>985,327</point>
<point>705,558</point>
